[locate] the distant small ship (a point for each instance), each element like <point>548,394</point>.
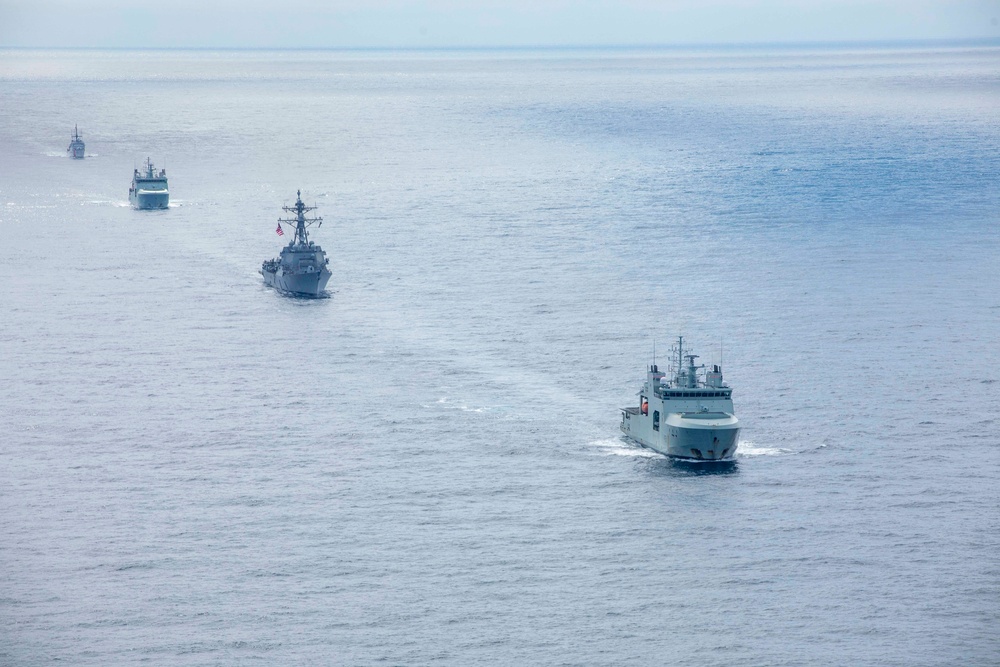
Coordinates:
<point>686,417</point>
<point>76,146</point>
<point>149,189</point>
<point>302,268</point>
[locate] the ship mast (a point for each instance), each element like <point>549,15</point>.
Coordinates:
<point>300,221</point>
<point>678,370</point>
<point>685,375</point>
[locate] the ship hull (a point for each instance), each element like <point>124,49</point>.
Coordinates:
<point>302,284</point>
<point>76,151</point>
<point>147,200</point>
<point>690,437</point>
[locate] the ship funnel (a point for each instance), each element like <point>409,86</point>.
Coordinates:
<point>653,378</point>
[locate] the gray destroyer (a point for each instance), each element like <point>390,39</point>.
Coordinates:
<point>76,145</point>
<point>149,188</point>
<point>302,268</point>
<point>686,416</point>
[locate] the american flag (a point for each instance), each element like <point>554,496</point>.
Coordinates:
<point>279,231</point>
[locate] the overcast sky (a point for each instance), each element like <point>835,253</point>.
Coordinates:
<point>451,23</point>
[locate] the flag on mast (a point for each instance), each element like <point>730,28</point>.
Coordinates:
<point>279,231</point>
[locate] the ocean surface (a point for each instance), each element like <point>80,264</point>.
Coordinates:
<point>425,467</point>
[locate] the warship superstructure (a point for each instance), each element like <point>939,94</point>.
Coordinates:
<point>302,267</point>
<point>76,146</point>
<point>149,188</point>
<point>688,415</point>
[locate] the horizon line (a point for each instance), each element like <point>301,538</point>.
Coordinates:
<point>922,42</point>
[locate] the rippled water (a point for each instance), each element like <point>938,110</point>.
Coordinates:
<point>425,467</point>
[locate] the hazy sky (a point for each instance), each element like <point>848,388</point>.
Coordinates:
<point>445,23</point>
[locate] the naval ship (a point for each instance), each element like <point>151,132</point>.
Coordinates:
<point>76,146</point>
<point>686,416</point>
<point>302,267</point>
<point>149,188</point>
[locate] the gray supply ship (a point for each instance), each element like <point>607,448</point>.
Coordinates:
<point>688,416</point>
<point>76,146</point>
<point>302,267</point>
<point>149,188</point>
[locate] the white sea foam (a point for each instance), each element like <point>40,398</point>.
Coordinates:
<point>748,449</point>
<point>620,447</point>
<point>445,403</point>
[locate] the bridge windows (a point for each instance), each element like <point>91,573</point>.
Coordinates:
<point>696,394</point>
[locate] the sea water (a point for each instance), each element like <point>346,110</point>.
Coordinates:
<point>426,466</point>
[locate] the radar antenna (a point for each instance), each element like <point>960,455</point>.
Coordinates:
<point>300,221</point>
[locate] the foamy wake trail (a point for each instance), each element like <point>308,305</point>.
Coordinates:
<point>619,447</point>
<point>747,449</point>
<point>448,405</point>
